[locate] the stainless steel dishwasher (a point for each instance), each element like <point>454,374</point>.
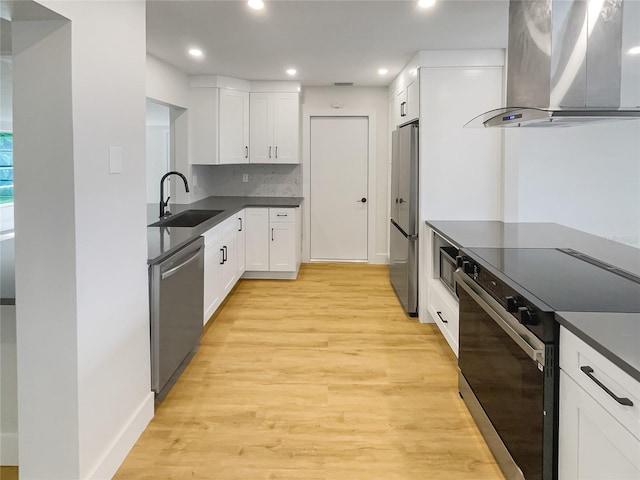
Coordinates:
<point>176,295</point>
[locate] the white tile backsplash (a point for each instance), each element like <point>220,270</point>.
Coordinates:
<point>264,180</point>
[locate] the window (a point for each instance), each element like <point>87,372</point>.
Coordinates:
<point>6,167</point>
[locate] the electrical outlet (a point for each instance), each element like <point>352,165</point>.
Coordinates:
<point>194,181</point>
<point>245,177</point>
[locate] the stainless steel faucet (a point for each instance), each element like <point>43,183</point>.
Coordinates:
<point>163,203</point>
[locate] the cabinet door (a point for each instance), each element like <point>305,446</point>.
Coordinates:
<point>213,257</point>
<point>228,270</point>
<point>261,131</point>
<point>203,126</point>
<point>257,239</point>
<point>286,128</point>
<point>413,101</point>
<point>592,443</point>
<point>240,240</point>
<point>234,126</point>
<point>401,108</point>
<point>282,256</point>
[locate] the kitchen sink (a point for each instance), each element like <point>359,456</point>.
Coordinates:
<point>188,218</point>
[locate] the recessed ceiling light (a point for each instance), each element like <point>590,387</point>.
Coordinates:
<point>383,71</point>
<point>256,4</point>
<point>291,71</point>
<point>426,3</point>
<point>195,52</point>
<point>634,50</point>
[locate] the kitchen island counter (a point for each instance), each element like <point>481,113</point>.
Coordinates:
<point>163,241</point>
<point>615,335</point>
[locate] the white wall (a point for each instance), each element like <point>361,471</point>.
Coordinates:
<point>157,160</point>
<point>585,177</point>
<point>6,96</point>
<point>167,85</point>
<point>374,100</point>
<point>81,273</point>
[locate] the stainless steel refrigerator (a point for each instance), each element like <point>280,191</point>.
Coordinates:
<point>403,268</point>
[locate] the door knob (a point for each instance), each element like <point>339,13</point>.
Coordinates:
<point>363,200</point>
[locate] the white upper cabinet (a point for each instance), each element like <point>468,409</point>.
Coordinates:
<point>406,99</point>
<point>261,127</point>
<point>203,125</point>
<point>286,127</point>
<point>274,127</point>
<point>234,126</point>
<point>219,126</point>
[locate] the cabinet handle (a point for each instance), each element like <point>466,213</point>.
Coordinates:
<point>272,234</point>
<point>269,152</point>
<point>402,112</point>
<point>588,371</point>
<point>240,218</point>
<point>276,151</point>
<point>246,154</point>
<point>442,318</point>
<point>282,214</point>
<point>222,252</point>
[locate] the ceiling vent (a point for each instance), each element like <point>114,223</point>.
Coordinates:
<point>343,84</point>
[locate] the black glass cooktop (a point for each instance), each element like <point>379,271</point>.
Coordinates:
<point>564,279</point>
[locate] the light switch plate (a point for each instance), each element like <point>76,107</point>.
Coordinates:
<point>245,177</point>
<point>115,159</point>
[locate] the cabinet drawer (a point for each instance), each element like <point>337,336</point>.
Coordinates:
<point>577,359</point>
<point>282,215</point>
<point>221,229</point>
<point>444,310</point>
<point>591,443</point>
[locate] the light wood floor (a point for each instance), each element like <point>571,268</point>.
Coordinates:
<point>321,378</point>
<point>8,473</point>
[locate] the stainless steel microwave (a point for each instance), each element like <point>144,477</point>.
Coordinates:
<point>448,266</point>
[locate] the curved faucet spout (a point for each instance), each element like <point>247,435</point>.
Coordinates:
<point>163,203</point>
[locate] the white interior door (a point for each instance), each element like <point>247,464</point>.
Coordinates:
<point>338,216</point>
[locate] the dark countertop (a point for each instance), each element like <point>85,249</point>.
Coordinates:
<point>494,234</point>
<point>163,241</point>
<point>614,335</point>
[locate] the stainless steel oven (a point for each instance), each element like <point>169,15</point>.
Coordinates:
<point>507,375</point>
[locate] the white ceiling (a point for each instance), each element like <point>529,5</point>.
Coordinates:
<point>327,41</point>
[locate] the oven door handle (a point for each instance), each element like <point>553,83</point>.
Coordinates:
<point>536,354</point>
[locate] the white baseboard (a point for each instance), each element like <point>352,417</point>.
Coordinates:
<point>9,449</point>
<point>124,441</point>
<point>380,259</point>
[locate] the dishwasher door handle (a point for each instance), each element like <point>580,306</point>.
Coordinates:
<point>168,273</point>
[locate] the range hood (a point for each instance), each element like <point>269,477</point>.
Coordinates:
<point>569,63</point>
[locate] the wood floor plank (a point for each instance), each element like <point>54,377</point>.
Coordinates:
<point>321,378</point>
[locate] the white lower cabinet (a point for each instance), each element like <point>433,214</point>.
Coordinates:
<point>273,242</point>
<point>599,438</point>
<point>257,239</point>
<point>241,240</point>
<point>443,308</point>
<point>221,254</point>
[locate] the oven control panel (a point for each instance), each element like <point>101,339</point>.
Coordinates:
<point>510,299</point>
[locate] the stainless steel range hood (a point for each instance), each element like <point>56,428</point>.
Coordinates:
<point>569,63</point>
